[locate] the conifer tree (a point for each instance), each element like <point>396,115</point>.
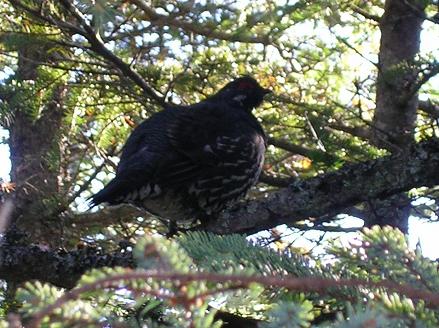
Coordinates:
<point>352,127</point>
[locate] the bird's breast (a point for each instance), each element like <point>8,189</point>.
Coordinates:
<point>237,170</point>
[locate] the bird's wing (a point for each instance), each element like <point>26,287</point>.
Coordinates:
<point>133,181</point>
<point>152,158</point>
<point>144,152</point>
<point>210,140</point>
<point>175,150</point>
<point>195,133</point>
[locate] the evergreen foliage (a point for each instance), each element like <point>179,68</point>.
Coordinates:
<point>175,285</point>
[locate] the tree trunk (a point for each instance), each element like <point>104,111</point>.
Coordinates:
<point>396,103</point>
<point>396,100</point>
<point>36,155</point>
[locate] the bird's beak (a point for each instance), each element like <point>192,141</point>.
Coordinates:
<point>266,91</point>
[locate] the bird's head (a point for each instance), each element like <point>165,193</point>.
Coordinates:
<point>245,92</point>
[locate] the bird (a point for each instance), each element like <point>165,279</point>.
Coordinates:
<point>190,162</point>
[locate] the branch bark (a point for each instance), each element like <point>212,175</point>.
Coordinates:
<point>60,268</point>
<point>335,191</point>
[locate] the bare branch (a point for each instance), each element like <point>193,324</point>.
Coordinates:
<point>357,131</point>
<point>105,217</point>
<point>364,13</point>
<point>427,74</point>
<point>297,149</point>
<point>99,47</point>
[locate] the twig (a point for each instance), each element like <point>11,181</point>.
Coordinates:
<point>301,150</point>
<point>364,13</point>
<point>96,44</point>
<point>163,20</point>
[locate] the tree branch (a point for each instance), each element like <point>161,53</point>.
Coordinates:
<point>429,107</point>
<point>163,20</point>
<point>297,149</point>
<point>364,13</point>
<point>335,191</point>
<point>427,74</point>
<point>308,284</point>
<point>275,181</point>
<point>356,131</point>
<point>327,194</point>
<point>99,47</point>
<point>90,221</point>
<point>60,268</point>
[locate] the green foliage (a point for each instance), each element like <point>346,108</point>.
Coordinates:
<point>160,254</point>
<point>384,254</point>
<point>370,318</point>
<point>156,294</point>
<point>231,254</point>
<point>290,315</point>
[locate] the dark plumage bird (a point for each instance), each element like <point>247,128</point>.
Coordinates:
<point>192,161</point>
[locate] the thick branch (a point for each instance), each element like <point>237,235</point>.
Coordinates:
<point>274,180</point>
<point>327,194</point>
<point>332,192</point>
<point>60,268</point>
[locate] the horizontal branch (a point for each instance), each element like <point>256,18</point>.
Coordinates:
<point>300,150</point>
<point>60,268</point>
<point>274,180</point>
<point>328,194</point>
<point>308,284</point>
<point>335,191</point>
<point>356,131</point>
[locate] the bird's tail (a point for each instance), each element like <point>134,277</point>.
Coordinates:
<point>109,195</point>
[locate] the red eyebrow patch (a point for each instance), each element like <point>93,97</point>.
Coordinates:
<point>245,85</point>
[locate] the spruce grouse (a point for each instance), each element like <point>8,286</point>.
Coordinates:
<point>189,162</point>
